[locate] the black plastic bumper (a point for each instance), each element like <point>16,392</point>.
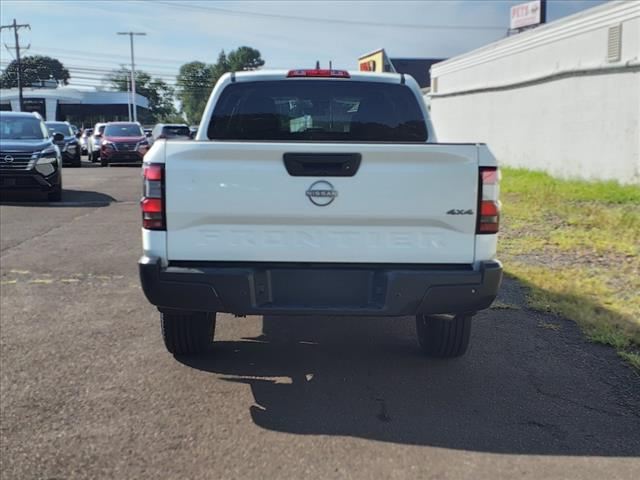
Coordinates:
<point>122,157</point>
<point>317,289</point>
<point>28,180</point>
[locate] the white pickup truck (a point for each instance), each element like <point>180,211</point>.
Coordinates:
<point>319,192</point>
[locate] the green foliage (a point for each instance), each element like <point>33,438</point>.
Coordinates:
<point>576,245</point>
<point>244,58</point>
<point>35,68</point>
<point>541,186</point>
<point>196,79</point>
<point>159,94</point>
<point>194,86</point>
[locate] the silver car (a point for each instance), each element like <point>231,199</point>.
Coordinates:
<point>93,142</point>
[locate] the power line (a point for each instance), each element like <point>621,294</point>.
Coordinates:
<point>84,54</point>
<point>102,76</point>
<point>328,20</point>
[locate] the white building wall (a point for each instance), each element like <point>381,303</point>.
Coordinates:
<point>550,99</point>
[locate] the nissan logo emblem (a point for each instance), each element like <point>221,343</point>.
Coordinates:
<point>321,193</point>
<point>8,159</point>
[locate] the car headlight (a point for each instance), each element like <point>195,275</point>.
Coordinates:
<point>106,144</point>
<point>47,161</point>
<point>48,153</point>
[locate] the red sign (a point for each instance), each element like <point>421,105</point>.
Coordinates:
<point>369,66</point>
<point>526,14</point>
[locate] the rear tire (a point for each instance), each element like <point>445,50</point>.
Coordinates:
<point>444,336</point>
<point>188,333</point>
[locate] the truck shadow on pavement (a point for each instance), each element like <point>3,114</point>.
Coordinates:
<point>70,198</point>
<point>520,388</point>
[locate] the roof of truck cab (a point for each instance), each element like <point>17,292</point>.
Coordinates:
<point>282,75</point>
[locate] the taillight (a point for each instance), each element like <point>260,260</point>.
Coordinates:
<point>318,73</point>
<point>152,203</point>
<point>488,203</point>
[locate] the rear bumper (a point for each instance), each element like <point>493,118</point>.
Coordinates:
<point>316,289</point>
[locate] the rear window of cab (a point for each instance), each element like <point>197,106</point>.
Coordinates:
<point>318,110</point>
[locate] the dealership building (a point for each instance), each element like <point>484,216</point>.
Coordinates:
<point>80,107</point>
<point>563,97</point>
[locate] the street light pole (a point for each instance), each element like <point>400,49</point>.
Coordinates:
<point>133,73</point>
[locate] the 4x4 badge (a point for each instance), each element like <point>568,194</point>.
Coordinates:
<point>455,211</point>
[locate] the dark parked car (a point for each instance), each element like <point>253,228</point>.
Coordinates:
<point>123,142</point>
<point>171,131</point>
<point>29,158</point>
<point>69,145</point>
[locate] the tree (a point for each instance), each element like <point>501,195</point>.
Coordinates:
<point>194,87</point>
<point>159,94</point>
<point>35,68</point>
<point>244,58</point>
<point>196,79</point>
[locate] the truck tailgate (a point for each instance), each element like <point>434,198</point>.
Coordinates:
<point>236,201</point>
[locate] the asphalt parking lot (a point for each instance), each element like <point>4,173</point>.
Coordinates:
<point>88,390</point>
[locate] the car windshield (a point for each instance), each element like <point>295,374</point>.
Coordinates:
<point>22,128</point>
<point>331,110</point>
<point>123,130</point>
<point>176,131</point>
<point>59,127</point>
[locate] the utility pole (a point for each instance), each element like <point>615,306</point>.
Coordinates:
<point>17,27</point>
<point>133,73</point>
<point>128,80</point>
<point>129,95</point>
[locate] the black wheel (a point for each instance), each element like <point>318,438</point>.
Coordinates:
<point>442,335</point>
<point>188,333</point>
<point>103,162</point>
<point>56,194</point>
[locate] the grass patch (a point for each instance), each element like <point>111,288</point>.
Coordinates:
<point>576,245</point>
<point>632,358</point>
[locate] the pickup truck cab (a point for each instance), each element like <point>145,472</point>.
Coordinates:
<point>319,192</point>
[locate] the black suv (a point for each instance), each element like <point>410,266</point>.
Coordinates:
<point>29,158</point>
<point>69,146</point>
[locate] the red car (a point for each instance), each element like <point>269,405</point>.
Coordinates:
<point>123,142</point>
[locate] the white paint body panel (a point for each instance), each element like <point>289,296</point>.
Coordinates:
<point>154,244</point>
<point>235,201</point>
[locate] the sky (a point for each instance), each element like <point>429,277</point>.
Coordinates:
<point>289,34</point>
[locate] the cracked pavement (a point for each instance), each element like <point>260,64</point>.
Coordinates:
<point>88,391</point>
